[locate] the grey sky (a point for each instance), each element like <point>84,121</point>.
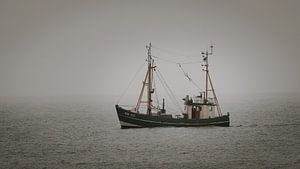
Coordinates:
<point>61,47</point>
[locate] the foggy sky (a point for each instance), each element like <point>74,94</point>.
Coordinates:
<point>69,47</point>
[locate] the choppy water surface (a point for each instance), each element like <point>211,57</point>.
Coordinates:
<point>84,132</point>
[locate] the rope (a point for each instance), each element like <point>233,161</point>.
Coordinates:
<point>166,60</point>
<point>135,75</point>
<point>185,74</point>
<point>172,53</point>
<point>182,63</point>
<point>155,88</point>
<point>190,79</point>
<point>165,88</point>
<point>193,62</point>
<point>171,93</point>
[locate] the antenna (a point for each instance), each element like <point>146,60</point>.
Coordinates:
<point>211,49</point>
<point>148,47</point>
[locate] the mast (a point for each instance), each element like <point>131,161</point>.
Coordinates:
<point>147,82</point>
<point>150,90</point>
<point>208,79</point>
<point>206,74</point>
<point>205,58</point>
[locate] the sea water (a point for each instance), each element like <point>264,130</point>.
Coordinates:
<point>84,132</point>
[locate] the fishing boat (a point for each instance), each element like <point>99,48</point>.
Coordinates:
<point>202,109</point>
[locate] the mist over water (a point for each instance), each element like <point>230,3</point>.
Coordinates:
<point>67,47</point>
<point>84,132</point>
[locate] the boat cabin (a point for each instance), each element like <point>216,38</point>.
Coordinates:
<point>198,108</point>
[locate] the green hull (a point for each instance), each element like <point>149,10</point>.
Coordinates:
<point>130,119</point>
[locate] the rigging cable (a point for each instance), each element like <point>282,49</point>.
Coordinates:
<point>170,61</point>
<point>155,88</point>
<point>179,63</point>
<point>167,86</point>
<point>185,73</point>
<point>189,78</point>
<point>135,75</point>
<point>172,53</point>
<point>166,60</point>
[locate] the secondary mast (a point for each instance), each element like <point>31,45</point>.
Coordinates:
<point>205,59</point>
<point>208,79</point>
